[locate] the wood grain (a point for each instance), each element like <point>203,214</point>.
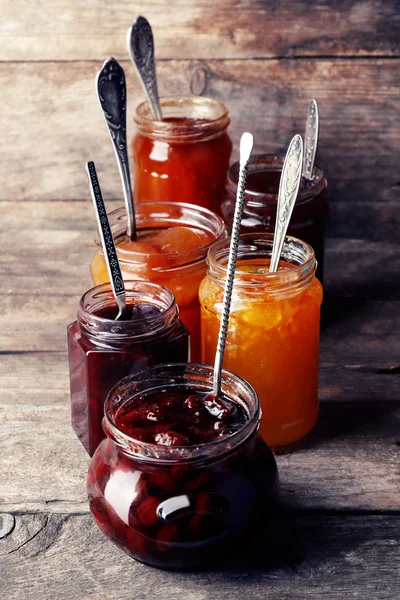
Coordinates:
<point>330,557</point>
<point>203,29</point>
<point>54,125</point>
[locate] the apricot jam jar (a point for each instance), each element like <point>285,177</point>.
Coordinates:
<point>185,157</point>
<point>173,240</point>
<point>182,476</point>
<point>261,196</point>
<point>273,332</point>
<point>102,350</point>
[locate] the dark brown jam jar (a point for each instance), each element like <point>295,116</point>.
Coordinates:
<point>102,351</point>
<point>182,476</point>
<point>261,196</point>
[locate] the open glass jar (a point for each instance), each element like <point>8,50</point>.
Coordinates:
<point>181,507</point>
<point>273,333</point>
<point>179,270</point>
<point>260,202</point>
<point>185,157</point>
<point>102,350</point>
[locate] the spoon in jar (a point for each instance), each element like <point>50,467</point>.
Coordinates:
<point>111,92</point>
<point>310,140</point>
<point>246,146</point>
<point>107,242</point>
<point>288,189</point>
<point>140,42</point>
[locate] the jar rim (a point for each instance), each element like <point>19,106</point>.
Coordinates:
<point>208,117</point>
<point>273,162</point>
<point>158,213</point>
<point>284,281</point>
<point>109,329</point>
<point>163,376</point>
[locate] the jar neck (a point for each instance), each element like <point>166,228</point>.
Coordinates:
<point>155,216</point>
<point>105,331</point>
<point>256,248</point>
<point>193,378</point>
<point>185,120</point>
<point>263,181</point>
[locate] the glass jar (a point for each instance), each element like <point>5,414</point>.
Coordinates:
<point>273,333</point>
<point>261,196</point>
<point>185,157</point>
<point>102,351</point>
<point>181,272</point>
<point>181,507</point>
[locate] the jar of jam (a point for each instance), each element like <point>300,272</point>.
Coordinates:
<point>261,196</point>
<point>185,157</point>
<point>273,332</point>
<point>172,245</point>
<point>102,350</point>
<point>182,475</point>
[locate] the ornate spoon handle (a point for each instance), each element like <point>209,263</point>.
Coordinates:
<point>310,139</point>
<point>140,43</point>
<point>111,92</point>
<point>288,189</point>
<point>246,146</point>
<point>107,240</point>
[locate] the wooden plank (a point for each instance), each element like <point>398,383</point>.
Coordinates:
<point>354,447</point>
<point>66,30</point>
<point>62,556</point>
<point>55,107</point>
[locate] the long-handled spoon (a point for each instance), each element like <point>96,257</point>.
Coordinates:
<point>246,146</point>
<point>310,140</point>
<point>111,92</point>
<point>107,242</point>
<point>288,189</point>
<point>140,44</point>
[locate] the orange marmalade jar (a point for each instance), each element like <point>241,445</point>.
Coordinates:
<point>173,241</point>
<point>273,333</point>
<point>185,157</point>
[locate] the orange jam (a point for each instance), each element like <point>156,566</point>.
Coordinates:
<point>184,158</point>
<point>171,250</point>
<point>273,333</point>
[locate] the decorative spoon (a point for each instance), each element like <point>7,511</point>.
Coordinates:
<point>107,241</point>
<point>310,140</point>
<point>246,146</point>
<point>288,189</point>
<point>140,44</point>
<point>111,92</point>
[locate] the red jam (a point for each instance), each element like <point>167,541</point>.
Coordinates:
<point>182,475</point>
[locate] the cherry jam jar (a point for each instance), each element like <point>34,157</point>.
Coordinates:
<point>184,157</point>
<point>180,481</point>
<point>261,196</point>
<point>102,350</point>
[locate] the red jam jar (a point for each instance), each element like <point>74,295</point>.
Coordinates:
<point>102,350</point>
<point>185,157</point>
<point>259,213</point>
<point>166,500</point>
<point>178,263</point>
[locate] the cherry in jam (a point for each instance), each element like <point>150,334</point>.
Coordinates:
<point>179,419</point>
<point>133,312</point>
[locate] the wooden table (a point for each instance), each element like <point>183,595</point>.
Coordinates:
<point>338,535</point>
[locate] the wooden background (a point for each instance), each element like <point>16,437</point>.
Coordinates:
<point>265,59</point>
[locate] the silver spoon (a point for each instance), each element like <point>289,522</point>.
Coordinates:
<point>288,189</point>
<point>310,140</point>
<point>111,92</point>
<point>107,242</point>
<point>140,44</point>
<point>246,146</point>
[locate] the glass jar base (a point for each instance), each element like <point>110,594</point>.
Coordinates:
<point>277,435</point>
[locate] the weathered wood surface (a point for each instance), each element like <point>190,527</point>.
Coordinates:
<point>93,29</point>
<point>334,558</point>
<point>53,125</point>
